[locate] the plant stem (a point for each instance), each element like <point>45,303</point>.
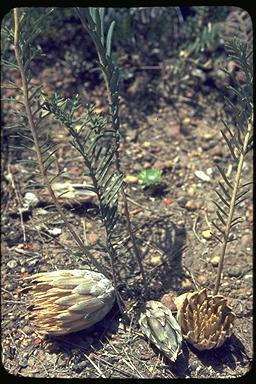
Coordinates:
<point>232,205</point>
<point>38,150</point>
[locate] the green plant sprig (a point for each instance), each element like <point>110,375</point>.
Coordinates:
<point>94,140</point>
<point>239,141</point>
<point>23,57</point>
<point>92,20</point>
<point>150,177</point>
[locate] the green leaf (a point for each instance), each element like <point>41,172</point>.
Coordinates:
<point>50,155</point>
<point>109,39</point>
<point>242,194</point>
<point>216,237</point>
<point>222,198</point>
<point>224,176</point>
<point>93,11</point>
<point>229,145</point>
<point>224,190</point>
<point>218,228</point>
<point>101,12</point>
<point>240,201</point>
<point>47,166</point>
<point>220,209</point>
<point>235,223</point>
<point>112,191</point>
<point>221,218</point>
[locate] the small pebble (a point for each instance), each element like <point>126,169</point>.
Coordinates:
<point>202,279</point>
<point>215,261</point>
<point>30,200</point>
<point>55,231</point>
<point>10,286</point>
<point>186,284</point>
<point>234,272</point>
<point>12,264</point>
<point>246,240</point>
<point>248,276</point>
<point>191,205</point>
<point>191,191</point>
<point>202,176</point>
<point>207,234</point>
<point>130,179</point>
<point>33,262</point>
<point>155,261</point>
<point>158,285</point>
<point>163,164</point>
<point>168,300</point>
<point>146,144</point>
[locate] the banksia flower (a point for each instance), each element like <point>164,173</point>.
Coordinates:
<point>66,301</point>
<point>206,321</point>
<point>160,327</point>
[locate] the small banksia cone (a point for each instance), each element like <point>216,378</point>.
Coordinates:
<point>206,320</point>
<point>70,193</point>
<point>160,327</point>
<point>67,301</point>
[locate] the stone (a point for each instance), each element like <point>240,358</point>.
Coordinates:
<point>191,205</point>
<point>146,144</point>
<point>207,234</point>
<point>130,179</point>
<point>202,279</point>
<point>234,272</point>
<point>215,261</point>
<point>186,284</point>
<point>12,264</point>
<point>167,164</point>
<point>246,240</point>
<point>168,300</point>
<point>155,260</point>
<point>248,276</point>
<point>191,191</point>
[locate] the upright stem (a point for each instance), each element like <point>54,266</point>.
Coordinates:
<point>232,206</point>
<point>37,146</point>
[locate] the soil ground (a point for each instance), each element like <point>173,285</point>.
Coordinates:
<point>171,226</point>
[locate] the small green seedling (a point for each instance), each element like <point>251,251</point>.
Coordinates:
<point>150,177</point>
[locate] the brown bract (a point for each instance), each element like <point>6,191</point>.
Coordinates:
<point>66,301</point>
<point>206,321</point>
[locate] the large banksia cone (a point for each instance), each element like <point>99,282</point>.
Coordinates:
<point>66,301</point>
<point>206,321</point>
<point>160,327</point>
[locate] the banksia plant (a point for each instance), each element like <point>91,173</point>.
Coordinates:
<point>31,116</point>
<point>238,135</point>
<point>92,20</point>
<point>67,301</point>
<point>206,320</point>
<point>159,326</point>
